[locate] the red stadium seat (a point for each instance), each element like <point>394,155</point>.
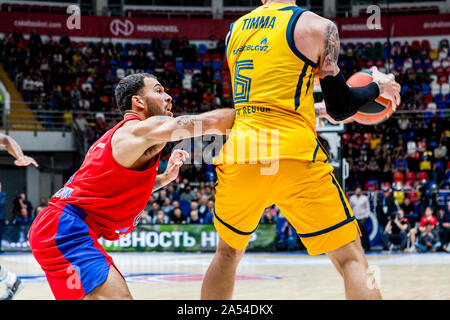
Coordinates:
<point>399,177</point>
<point>379,63</point>
<point>415,45</point>
<point>170,66</point>
<point>422,175</point>
<point>425,45</point>
<point>427,98</point>
<point>206,57</point>
<point>413,196</point>
<point>410,176</point>
<point>345,138</point>
<point>370,186</point>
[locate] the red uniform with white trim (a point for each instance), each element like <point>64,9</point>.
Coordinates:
<point>102,199</point>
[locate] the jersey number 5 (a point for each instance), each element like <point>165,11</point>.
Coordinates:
<point>242,83</point>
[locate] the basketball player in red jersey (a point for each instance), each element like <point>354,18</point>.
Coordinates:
<point>13,283</point>
<point>107,195</point>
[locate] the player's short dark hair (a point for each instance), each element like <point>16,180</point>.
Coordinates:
<point>127,88</point>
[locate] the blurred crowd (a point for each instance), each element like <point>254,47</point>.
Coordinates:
<point>62,75</point>
<point>420,227</point>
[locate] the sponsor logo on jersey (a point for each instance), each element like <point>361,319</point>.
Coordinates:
<point>262,47</point>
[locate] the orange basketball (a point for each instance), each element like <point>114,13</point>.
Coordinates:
<point>373,112</point>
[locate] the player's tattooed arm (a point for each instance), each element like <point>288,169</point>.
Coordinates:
<point>160,128</point>
<point>187,120</point>
<point>330,51</point>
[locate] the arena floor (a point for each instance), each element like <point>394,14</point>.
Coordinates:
<point>171,276</point>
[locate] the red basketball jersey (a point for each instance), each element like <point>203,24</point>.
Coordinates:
<point>112,197</point>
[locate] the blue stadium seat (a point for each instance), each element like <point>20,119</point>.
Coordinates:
<point>185,207</point>
<point>417,63</point>
<point>404,89</point>
<point>179,67</point>
<point>198,65</point>
<point>432,144</point>
<point>127,46</point>
<point>210,176</point>
<point>217,65</point>
<point>426,89</point>
<point>202,48</point>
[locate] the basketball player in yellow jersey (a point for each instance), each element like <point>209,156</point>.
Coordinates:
<point>273,53</point>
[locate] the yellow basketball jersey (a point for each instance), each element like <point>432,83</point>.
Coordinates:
<point>272,85</point>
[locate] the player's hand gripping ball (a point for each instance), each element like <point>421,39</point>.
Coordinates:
<point>384,106</point>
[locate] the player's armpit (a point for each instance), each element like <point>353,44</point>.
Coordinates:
<point>161,128</point>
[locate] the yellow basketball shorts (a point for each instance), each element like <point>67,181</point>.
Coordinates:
<point>307,194</point>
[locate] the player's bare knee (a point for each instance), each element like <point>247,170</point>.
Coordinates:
<point>230,254</point>
<point>348,255</point>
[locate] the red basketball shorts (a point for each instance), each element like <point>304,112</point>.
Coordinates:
<point>68,252</point>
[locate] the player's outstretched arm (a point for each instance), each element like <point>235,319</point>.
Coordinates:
<point>15,150</point>
<point>130,142</point>
<point>165,129</point>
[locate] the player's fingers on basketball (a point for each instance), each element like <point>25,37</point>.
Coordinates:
<point>399,98</point>
<point>396,98</point>
<point>397,102</point>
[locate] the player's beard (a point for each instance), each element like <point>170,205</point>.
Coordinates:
<point>154,109</point>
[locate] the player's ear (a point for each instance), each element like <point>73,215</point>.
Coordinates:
<point>137,102</point>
